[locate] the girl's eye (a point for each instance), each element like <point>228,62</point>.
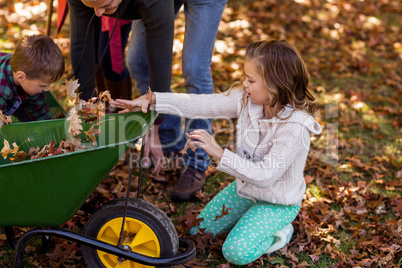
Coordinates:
<point>250,81</point>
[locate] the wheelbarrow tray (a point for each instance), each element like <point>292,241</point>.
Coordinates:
<point>48,191</point>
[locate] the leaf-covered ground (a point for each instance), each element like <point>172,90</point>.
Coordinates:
<point>351,214</point>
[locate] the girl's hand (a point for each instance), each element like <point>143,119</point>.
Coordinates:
<point>202,138</point>
<point>140,103</point>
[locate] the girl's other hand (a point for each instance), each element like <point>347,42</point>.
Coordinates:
<point>140,103</point>
<point>202,138</point>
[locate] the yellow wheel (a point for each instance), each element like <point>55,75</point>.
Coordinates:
<point>147,231</point>
<point>137,235</point>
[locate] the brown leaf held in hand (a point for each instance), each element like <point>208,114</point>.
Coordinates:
<point>187,146</point>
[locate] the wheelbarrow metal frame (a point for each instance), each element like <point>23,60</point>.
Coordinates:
<point>112,249</point>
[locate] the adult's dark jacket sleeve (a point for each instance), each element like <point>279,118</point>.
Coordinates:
<point>158,17</point>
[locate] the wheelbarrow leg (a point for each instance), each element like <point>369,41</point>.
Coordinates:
<point>45,244</point>
<point>10,236</point>
<point>13,241</point>
<point>87,208</point>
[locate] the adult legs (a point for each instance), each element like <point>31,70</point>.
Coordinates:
<point>170,134</point>
<point>202,21</point>
<point>137,61</point>
<point>82,33</point>
<point>202,18</point>
<point>158,18</point>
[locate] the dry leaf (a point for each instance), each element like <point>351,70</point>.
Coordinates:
<point>66,144</point>
<point>34,150</point>
<point>75,126</point>
<point>225,211</point>
<point>149,95</point>
<point>187,146</point>
<point>157,177</point>
<point>105,96</point>
<point>92,132</point>
<point>5,118</point>
<point>21,155</point>
<point>7,150</point>
<point>72,87</point>
<point>308,179</point>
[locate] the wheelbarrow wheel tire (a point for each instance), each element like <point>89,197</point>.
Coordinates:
<point>150,232</point>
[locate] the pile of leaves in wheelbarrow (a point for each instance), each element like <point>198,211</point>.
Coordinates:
<point>91,111</point>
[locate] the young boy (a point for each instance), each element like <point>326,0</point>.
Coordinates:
<point>25,75</point>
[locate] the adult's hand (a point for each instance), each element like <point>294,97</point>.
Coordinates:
<point>153,146</point>
<point>141,103</point>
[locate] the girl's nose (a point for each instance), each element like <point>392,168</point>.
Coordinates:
<point>245,83</point>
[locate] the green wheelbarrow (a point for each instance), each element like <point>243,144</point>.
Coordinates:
<point>47,192</point>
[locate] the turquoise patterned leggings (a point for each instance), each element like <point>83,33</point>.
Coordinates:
<point>250,225</point>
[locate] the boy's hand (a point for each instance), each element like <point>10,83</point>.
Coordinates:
<point>202,138</point>
<point>141,103</point>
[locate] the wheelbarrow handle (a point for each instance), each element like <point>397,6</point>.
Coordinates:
<point>183,257</point>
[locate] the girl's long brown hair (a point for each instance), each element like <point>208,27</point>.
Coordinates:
<point>284,73</point>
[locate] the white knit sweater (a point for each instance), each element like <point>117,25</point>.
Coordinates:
<point>271,153</point>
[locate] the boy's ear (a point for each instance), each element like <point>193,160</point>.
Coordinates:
<point>21,76</point>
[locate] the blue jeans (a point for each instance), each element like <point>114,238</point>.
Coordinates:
<point>158,15</point>
<point>202,19</point>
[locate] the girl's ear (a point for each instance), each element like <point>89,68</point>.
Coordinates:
<point>20,76</point>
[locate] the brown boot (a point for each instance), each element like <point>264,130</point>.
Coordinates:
<point>190,181</point>
<point>119,89</point>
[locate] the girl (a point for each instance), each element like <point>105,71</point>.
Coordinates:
<point>275,121</point>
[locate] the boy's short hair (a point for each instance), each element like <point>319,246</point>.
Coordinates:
<point>38,57</point>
